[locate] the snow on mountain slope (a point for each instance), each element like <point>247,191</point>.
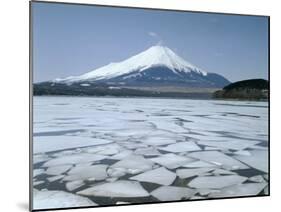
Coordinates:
<point>155,56</point>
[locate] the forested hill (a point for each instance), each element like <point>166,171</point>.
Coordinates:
<point>253,89</point>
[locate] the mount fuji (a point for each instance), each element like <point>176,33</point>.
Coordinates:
<point>156,66</point>
<point>155,72</point>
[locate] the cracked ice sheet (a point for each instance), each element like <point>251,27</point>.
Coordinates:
<point>216,182</point>
<point>72,185</point>
<point>222,172</point>
<point>243,152</point>
<point>258,159</point>
<point>121,155</point>
<point>257,179</point>
<point>199,164</point>
<point>74,159</point>
<point>219,159</point>
<point>94,172</point>
<point>172,193</point>
<point>168,125</point>
<point>134,164</point>
<point>109,149</point>
<point>137,132</point>
<point>160,137</point>
<point>53,129</point>
<point>55,143</point>
<point>57,170</point>
<point>122,188</point>
<point>116,172</point>
<point>38,158</point>
<point>59,199</point>
<point>186,173</point>
<point>225,124</point>
<point>226,134</point>
<point>160,176</point>
<point>37,172</point>
<point>181,147</point>
<point>132,145</point>
<point>158,141</point>
<point>234,144</point>
<point>247,189</point>
<point>148,151</point>
<point>120,128</point>
<point>55,178</point>
<point>171,161</point>
<point>35,183</point>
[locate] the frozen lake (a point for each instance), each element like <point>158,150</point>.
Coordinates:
<point>105,151</point>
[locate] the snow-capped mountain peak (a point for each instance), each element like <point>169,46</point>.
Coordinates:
<point>155,56</point>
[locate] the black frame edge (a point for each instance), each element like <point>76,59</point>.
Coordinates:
<point>31,106</point>
<point>144,8</point>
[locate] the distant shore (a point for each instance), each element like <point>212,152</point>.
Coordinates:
<point>254,89</point>
<point>249,90</point>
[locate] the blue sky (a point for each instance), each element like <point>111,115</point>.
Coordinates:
<point>75,39</point>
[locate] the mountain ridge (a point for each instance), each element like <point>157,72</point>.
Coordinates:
<point>155,72</point>
<point>156,65</point>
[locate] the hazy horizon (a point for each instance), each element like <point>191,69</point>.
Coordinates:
<point>74,39</point>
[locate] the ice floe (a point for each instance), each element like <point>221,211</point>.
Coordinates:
<point>171,161</point>
<point>257,179</point>
<point>74,159</point>
<point>206,148</point>
<point>55,178</point>
<point>111,179</point>
<point>133,145</point>
<point>96,172</point>
<point>134,164</point>
<point>116,172</point>
<point>185,173</point>
<point>206,191</point>
<point>59,199</point>
<point>110,149</point>
<point>72,185</point>
<point>199,164</point>
<point>36,183</point>
<point>160,176</point>
<point>172,193</point>
<point>55,143</point>
<point>243,152</point>
<point>38,158</point>
<point>222,172</point>
<point>219,159</point>
<point>158,141</point>
<point>37,172</point>
<point>57,170</point>
<point>216,182</point>
<point>230,144</point>
<point>169,126</point>
<point>247,189</point>
<point>258,160</point>
<point>181,147</point>
<point>121,155</point>
<point>121,188</point>
<point>149,151</point>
